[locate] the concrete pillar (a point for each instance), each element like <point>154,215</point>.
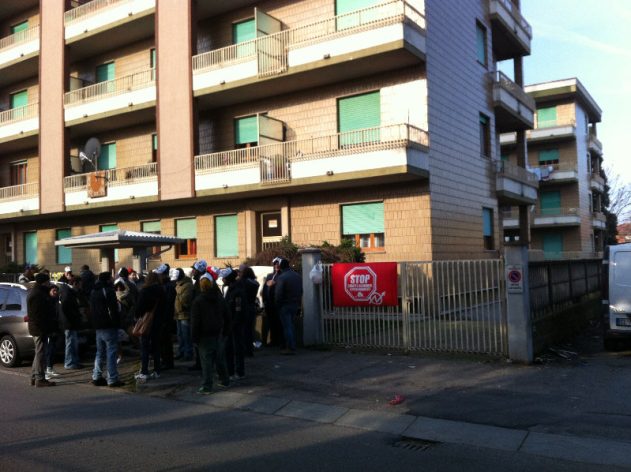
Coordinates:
<point>312,317</point>
<point>520,343</point>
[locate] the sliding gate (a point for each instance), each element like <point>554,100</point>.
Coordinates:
<point>447,306</point>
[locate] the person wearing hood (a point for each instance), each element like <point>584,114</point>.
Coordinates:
<point>183,302</point>
<point>199,268</point>
<point>236,297</point>
<point>87,280</point>
<point>152,297</point>
<point>105,313</point>
<point>251,288</point>
<point>209,317</point>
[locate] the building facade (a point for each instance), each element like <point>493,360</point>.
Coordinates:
<point>565,152</point>
<point>235,124</point>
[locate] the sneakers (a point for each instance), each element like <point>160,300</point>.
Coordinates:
<point>237,377</point>
<point>154,375</point>
<point>141,378</point>
<point>204,391</point>
<point>74,367</point>
<point>116,384</point>
<point>50,373</point>
<point>100,382</point>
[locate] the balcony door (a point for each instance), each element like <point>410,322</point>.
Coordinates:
<point>270,229</point>
<point>359,119</point>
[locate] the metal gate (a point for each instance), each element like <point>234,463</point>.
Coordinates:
<point>447,306</point>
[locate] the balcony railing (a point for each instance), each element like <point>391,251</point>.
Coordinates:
<point>279,157</point>
<point>275,45</point>
<point>115,177</point>
<point>559,166</point>
<point>516,14</point>
<point>109,88</point>
<point>515,172</point>
<point>19,37</point>
<point>505,83</point>
<point>19,191</point>
<point>89,8</point>
<point>19,113</point>
<point>543,212</point>
<point>555,123</point>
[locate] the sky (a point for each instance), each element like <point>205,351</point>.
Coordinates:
<point>589,40</point>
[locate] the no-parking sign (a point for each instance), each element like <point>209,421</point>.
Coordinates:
<point>514,279</point>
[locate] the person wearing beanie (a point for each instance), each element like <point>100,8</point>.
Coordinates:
<point>183,303</point>
<point>199,269</point>
<point>287,299</point>
<point>40,326</point>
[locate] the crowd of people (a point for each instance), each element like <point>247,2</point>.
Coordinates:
<point>212,312</point>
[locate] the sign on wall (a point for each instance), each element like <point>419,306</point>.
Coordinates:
<point>373,284</point>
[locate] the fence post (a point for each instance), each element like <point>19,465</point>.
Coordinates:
<point>311,293</point>
<point>405,307</point>
<point>519,322</point>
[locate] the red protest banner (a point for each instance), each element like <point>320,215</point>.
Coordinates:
<point>373,284</point>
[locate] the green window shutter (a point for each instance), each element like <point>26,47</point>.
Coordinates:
<point>152,58</point>
<point>19,27</point>
<point>359,113</point>
<point>550,202</point>
<point>19,99</point>
<point>505,157</point>
<point>364,218</point>
<point>105,228</point>
<point>151,227</point>
<point>226,236</point>
<point>64,254</point>
<point>548,155</point>
<point>487,222</point>
<point>552,244</point>
<point>30,247</point>
<point>154,142</point>
<point>243,31</point>
<point>344,7</point>
<point>107,158</point>
<point>546,117</point>
<point>105,72</point>
<point>246,130</point>
<point>186,228</point>
<point>480,42</point>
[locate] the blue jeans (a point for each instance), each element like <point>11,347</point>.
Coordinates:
<point>185,345</point>
<point>72,348</point>
<point>106,351</point>
<point>287,313</point>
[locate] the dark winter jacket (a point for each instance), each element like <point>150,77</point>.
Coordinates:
<point>41,318</point>
<point>104,309</point>
<point>268,292</point>
<point>236,297</point>
<point>88,279</point>
<point>150,297</point>
<point>288,289</point>
<point>69,312</point>
<point>209,315</point>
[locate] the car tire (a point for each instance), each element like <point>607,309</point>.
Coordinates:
<point>9,354</point>
<point>610,344</point>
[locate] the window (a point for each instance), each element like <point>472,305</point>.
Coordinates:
<point>480,42</point>
<point>485,136</point>
<point>226,236</point>
<point>186,229</point>
<point>154,147</point>
<point>349,20</point>
<point>18,173</point>
<point>364,224</point>
<point>23,26</point>
<point>359,118</point>
<point>589,163</point>
<point>30,247</point>
<point>105,228</point>
<point>18,99</point>
<point>106,73</point>
<point>244,32</point>
<point>64,254</point>
<point>505,157</point>
<point>152,62</point>
<point>591,202</point>
<point>487,228</point>
<point>546,117</point>
<point>246,131</point>
<point>552,245</point>
<point>550,202</point>
<point>152,227</point>
<point>14,301</point>
<point>548,157</point>
<point>107,158</point>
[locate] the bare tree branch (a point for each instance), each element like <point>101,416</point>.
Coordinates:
<point>619,196</point>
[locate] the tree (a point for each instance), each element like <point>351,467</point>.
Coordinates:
<point>617,196</point>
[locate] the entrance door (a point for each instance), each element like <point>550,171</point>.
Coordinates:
<point>271,228</point>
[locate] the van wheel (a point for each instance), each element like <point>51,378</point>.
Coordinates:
<point>9,355</point>
<point>610,344</point>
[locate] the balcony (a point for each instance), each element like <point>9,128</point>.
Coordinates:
<point>19,200</point>
<point>599,220</point>
<point>19,122</point>
<point>594,145</point>
<point>550,131</point>
<point>514,185</point>
<point>545,218</point>
<point>384,154</point>
<point>511,32</point>
<point>106,187</point>
<point>123,95</point>
<point>22,47</point>
<point>539,255</point>
<point>596,183</point>
<point>376,39</point>
<point>102,25</point>
<point>514,108</point>
<point>562,172</point>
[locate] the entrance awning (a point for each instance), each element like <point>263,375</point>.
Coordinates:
<point>118,240</point>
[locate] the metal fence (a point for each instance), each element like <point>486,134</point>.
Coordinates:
<point>555,285</point>
<point>445,306</point>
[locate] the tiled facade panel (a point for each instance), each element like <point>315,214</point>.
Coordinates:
<point>458,92</point>
<point>571,239</point>
<point>30,85</point>
<point>128,60</point>
<point>32,166</point>
<point>313,113</point>
<point>317,217</point>
<point>31,15</point>
<point>567,153</point>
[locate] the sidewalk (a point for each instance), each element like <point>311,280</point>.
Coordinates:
<point>576,410</point>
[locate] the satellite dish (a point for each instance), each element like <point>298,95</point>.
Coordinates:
<point>91,152</point>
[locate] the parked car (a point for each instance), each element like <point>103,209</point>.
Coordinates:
<point>15,342</point>
<point>617,294</point>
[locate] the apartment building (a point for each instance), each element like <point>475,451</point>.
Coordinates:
<point>234,124</point>
<point>564,151</point>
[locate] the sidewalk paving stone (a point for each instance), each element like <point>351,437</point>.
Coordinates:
<point>261,404</point>
<point>312,411</point>
<point>376,421</point>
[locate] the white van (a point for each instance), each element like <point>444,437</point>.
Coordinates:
<point>617,294</point>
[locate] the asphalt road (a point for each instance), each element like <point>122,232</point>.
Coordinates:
<point>78,427</point>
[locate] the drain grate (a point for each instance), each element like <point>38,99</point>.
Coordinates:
<point>412,444</point>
